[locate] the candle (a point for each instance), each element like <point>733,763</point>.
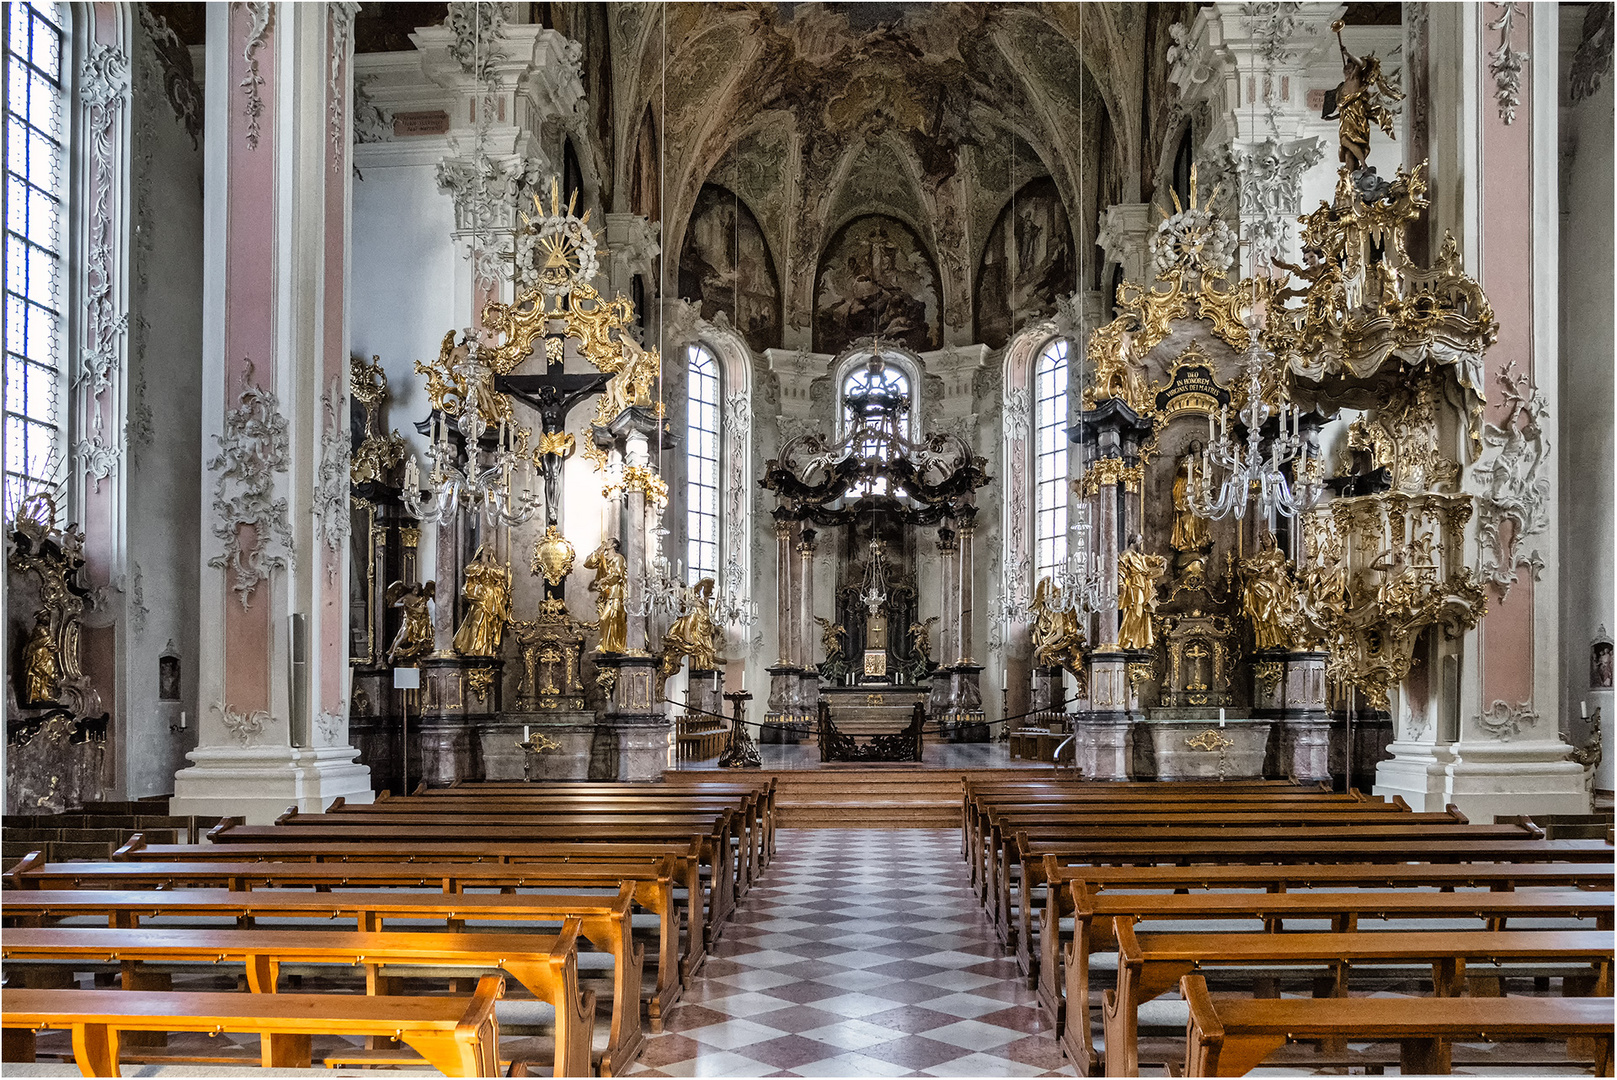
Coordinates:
<point>1221,718</point>
<point>743,680</point>
<point>182,718</point>
<point>525,736</point>
<point>1583,709</point>
<point>1004,680</point>
<point>1210,435</point>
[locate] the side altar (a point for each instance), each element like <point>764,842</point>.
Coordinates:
<point>1268,564</point>
<point>522,658</point>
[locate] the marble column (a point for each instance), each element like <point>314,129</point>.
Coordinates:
<point>273,670</point>
<point>809,681</point>
<point>785,677</point>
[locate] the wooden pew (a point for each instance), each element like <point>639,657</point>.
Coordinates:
<point>653,888</point>
<point>1230,1037</point>
<point>713,851</point>
<point>547,965</point>
<point>763,789</point>
<point>1209,819</point>
<point>1281,846</point>
<point>745,817</point>
<point>457,1036</point>
<point>603,922</point>
<point>1151,964</point>
<point>1064,989</point>
<point>636,860</point>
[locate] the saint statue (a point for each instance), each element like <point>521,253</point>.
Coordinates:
<point>1269,596</point>
<point>1058,640</point>
<point>488,600</point>
<point>831,639</point>
<point>40,670</point>
<point>1359,99</point>
<point>1137,575</point>
<point>921,638</point>
<point>1189,527</point>
<point>414,638</point>
<point>693,634</point>
<point>610,588</point>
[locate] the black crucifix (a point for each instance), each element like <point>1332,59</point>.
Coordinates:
<point>552,395</point>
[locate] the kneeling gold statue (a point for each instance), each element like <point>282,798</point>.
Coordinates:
<point>693,634</point>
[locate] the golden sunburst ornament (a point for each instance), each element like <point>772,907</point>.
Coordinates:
<point>555,247</point>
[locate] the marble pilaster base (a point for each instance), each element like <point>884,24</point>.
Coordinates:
<point>634,741</point>
<point>964,719</point>
<point>1268,683</point>
<point>1303,749</point>
<point>1102,745</point>
<point>258,783</point>
<point>785,719</point>
<point>705,692</point>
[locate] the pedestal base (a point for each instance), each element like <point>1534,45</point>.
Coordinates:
<point>634,741</point>
<point>1101,745</point>
<point>502,758</point>
<point>258,783</point>
<point>1486,778</point>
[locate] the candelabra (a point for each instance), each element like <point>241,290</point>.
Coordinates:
<point>1246,468</point>
<point>487,490</point>
<point>663,590</point>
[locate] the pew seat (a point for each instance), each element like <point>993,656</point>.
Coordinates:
<point>1230,1037</point>
<point>456,1035</point>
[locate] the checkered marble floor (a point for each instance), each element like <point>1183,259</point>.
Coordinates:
<point>861,952</point>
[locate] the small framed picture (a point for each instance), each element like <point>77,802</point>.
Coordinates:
<point>1600,663</point>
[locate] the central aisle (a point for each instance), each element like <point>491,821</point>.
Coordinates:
<point>861,952</point>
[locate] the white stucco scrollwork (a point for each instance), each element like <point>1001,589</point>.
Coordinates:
<point>252,449</point>
<point>1511,487</point>
<point>330,726</point>
<point>1504,721</point>
<point>1505,63</point>
<point>262,13</point>
<point>331,520</point>
<point>246,728</point>
<point>104,90</point>
<point>341,16</point>
<point>477,27</point>
<point>98,458</point>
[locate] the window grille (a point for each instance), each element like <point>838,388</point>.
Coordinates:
<point>1050,468</point>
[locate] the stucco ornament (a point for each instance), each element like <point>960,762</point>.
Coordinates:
<point>262,13</point>
<point>252,449</point>
<point>1512,488</point>
<point>477,27</point>
<point>331,521</point>
<point>341,16</point>
<point>104,90</point>
<point>371,122</point>
<point>1505,63</point>
<point>1504,721</point>
<point>246,728</point>
<point>97,457</point>
<point>329,724</point>
<point>172,63</point>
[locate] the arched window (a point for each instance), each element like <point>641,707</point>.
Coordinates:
<point>36,210</point>
<point>701,464</point>
<point>1050,462</point>
<point>877,393</point>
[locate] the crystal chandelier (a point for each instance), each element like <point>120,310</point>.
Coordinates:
<point>663,590</point>
<point>487,491</point>
<point>732,606</point>
<point>1081,587</point>
<point>1246,469</point>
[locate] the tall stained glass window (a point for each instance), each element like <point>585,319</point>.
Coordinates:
<point>1050,468</point>
<point>701,464</point>
<point>36,186</point>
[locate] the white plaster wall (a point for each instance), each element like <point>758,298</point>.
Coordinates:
<point>165,496</point>
<point>402,287</point>
<point>1587,449</point>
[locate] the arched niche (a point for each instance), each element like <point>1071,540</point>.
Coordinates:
<point>1027,264</point>
<point>725,266</point>
<point>876,278</point>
